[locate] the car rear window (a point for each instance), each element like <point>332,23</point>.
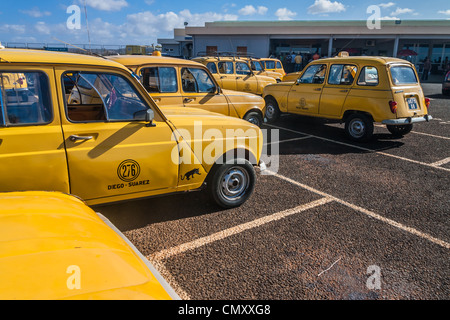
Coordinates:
<point>403,75</point>
<point>24,98</point>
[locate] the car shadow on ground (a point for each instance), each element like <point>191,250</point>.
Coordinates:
<point>133,214</point>
<point>328,137</point>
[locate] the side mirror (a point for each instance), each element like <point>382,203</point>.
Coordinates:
<point>298,81</point>
<point>149,117</point>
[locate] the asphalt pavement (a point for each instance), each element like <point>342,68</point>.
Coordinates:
<point>334,220</point>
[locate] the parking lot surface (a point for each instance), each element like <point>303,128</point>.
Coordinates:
<point>336,220</point>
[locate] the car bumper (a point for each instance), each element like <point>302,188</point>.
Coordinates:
<point>408,120</point>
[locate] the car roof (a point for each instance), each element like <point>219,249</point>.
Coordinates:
<point>50,57</point>
<point>240,59</point>
<point>135,60</point>
<point>363,59</point>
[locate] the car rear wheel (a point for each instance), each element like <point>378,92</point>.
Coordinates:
<point>359,127</point>
<point>272,110</point>
<point>254,118</point>
<point>399,131</point>
<point>231,184</point>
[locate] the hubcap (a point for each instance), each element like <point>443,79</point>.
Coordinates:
<point>357,128</point>
<point>234,183</point>
<point>254,120</point>
<point>270,111</point>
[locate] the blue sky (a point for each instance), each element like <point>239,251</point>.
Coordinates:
<point>113,22</point>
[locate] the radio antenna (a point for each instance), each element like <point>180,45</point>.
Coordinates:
<point>87,26</point>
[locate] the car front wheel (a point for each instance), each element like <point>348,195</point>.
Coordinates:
<point>359,127</point>
<point>231,184</point>
<point>254,118</point>
<point>272,110</point>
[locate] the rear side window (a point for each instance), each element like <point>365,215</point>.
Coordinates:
<point>270,64</point>
<point>368,76</point>
<point>25,99</point>
<point>403,75</point>
<point>342,74</point>
<point>226,67</point>
<point>242,68</point>
<point>279,65</point>
<point>212,67</point>
<point>160,79</point>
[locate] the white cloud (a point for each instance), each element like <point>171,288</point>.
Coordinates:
<point>251,10</point>
<point>36,13</point>
<point>401,11</point>
<point>285,14</point>
<point>42,28</point>
<point>325,6</point>
<point>13,28</point>
<point>106,5</point>
<point>389,18</point>
<point>386,5</point>
<point>446,12</point>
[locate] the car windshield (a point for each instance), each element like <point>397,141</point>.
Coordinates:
<point>403,75</point>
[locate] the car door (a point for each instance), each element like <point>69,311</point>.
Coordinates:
<point>110,152</point>
<point>246,81</point>
<point>161,83</point>
<point>226,75</point>
<point>32,155</point>
<point>304,95</point>
<point>339,82</point>
<point>200,91</point>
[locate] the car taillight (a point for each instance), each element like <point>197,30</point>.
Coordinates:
<point>393,106</point>
<point>427,102</point>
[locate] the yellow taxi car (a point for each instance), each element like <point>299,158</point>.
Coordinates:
<point>258,69</point>
<point>115,144</point>
<point>273,65</point>
<point>234,73</point>
<point>357,91</point>
<point>54,247</point>
<point>179,82</point>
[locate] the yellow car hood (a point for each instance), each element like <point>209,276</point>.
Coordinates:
<point>52,246</point>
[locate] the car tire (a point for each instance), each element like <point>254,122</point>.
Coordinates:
<point>359,127</point>
<point>254,118</point>
<point>399,131</point>
<point>272,112</point>
<point>231,184</point>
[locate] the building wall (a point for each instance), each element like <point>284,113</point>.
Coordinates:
<point>257,45</point>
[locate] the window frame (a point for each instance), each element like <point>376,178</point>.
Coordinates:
<point>325,75</point>
<point>340,80</point>
<point>226,62</point>
<point>211,78</point>
<point>368,85</point>
<point>3,121</point>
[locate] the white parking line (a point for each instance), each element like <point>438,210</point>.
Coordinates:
<point>287,140</point>
<point>423,133</point>
<point>164,254</point>
<point>441,162</point>
<point>364,149</point>
<point>368,213</point>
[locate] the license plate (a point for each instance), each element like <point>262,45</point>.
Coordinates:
<point>412,103</point>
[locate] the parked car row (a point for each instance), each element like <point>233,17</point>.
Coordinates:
<point>126,127</point>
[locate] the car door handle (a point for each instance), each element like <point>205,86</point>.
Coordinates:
<point>344,90</point>
<point>187,100</point>
<point>222,77</point>
<point>238,78</point>
<point>74,138</point>
<point>317,89</point>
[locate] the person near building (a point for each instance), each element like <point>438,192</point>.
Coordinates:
<point>426,69</point>
<point>298,62</point>
<point>316,56</point>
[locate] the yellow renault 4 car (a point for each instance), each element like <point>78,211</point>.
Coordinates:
<point>113,143</point>
<point>273,65</point>
<point>235,74</point>
<point>357,91</point>
<point>179,82</point>
<point>54,247</point>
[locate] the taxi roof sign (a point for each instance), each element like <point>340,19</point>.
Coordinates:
<point>343,54</point>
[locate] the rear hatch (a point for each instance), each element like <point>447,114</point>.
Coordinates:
<point>407,92</point>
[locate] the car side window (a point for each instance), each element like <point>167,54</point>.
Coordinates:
<point>94,97</point>
<point>212,67</point>
<point>314,74</point>
<point>279,65</point>
<point>242,68</point>
<point>270,64</point>
<point>160,79</point>
<point>368,76</point>
<point>24,99</point>
<point>196,80</point>
<point>257,66</point>
<point>342,74</point>
<point>226,67</point>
